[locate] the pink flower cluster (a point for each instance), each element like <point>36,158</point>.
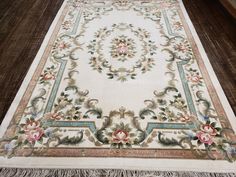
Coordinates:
<point>207,134</point>
<point>33,131</point>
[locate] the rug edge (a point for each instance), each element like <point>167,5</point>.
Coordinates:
<point>26,81</point>
<point>215,81</point>
<point>9,172</point>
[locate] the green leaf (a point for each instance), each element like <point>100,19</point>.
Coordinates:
<point>85,116</point>
<point>199,142</point>
<point>154,117</point>
<point>110,76</point>
<point>26,142</point>
<point>22,132</point>
<point>213,124</point>
<point>163,109</point>
<point>40,141</point>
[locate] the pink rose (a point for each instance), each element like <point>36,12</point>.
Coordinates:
<point>205,138</point>
<point>194,79</point>
<point>122,48</point>
<point>120,136</point>
<point>63,46</point>
<point>34,135</point>
<point>33,131</point>
<point>209,129</point>
<point>48,76</point>
<point>31,125</point>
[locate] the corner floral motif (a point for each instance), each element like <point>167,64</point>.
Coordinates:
<point>207,133</point>
<point>29,134</point>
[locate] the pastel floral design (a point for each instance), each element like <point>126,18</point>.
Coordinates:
<point>179,102</point>
<point>182,47</point>
<point>178,26</point>
<point>48,75</point>
<point>194,77</point>
<point>209,129</point>
<point>166,3</point>
<point>78,3</point>
<point>207,133</point>
<point>185,117</point>
<point>30,124</point>
<point>120,136</point>
<point>34,135</point>
<point>67,24</point>
<point>122,4</point>
<point>178,48</point>
<point>54,116</point>
<point>122,48</point>
<point>63,45</point>
<point>150,13</point>
<point>32,130</point>
<point>205,138</point>
<point>74,113</point>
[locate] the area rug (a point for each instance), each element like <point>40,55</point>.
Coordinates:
<point>120,88</point>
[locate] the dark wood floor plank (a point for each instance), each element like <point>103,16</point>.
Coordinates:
<point>24,23</point>
<point>22,30</point>
<point>217,31</point>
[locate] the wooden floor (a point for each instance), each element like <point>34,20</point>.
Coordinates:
<point>24,23</point>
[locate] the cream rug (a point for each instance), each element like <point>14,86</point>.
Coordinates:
<point>120,88</point>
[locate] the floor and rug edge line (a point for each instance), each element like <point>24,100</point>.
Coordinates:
<point>30,73</point>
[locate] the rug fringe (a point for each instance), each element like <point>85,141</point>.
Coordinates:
<point>18,172</point>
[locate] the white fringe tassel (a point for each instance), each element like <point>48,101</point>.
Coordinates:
<point>18,172</point>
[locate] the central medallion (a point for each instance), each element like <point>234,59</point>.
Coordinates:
<point>122,51</point>
<point>123,48</point>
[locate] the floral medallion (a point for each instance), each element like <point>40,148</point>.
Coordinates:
<point>122,49</point>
